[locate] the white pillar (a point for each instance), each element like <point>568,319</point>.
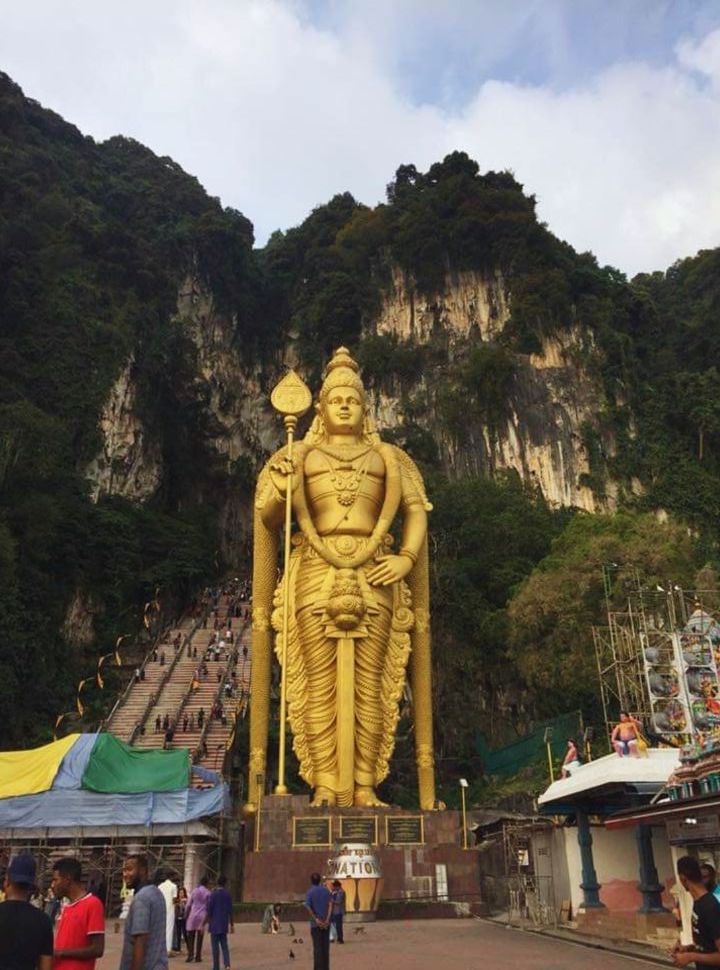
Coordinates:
<point>193,862</point>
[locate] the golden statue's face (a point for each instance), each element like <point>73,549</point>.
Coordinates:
<point>343,411</point>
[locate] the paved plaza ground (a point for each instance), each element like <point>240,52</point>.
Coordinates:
<point>408,945</point>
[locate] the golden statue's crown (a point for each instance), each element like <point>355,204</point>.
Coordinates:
<point>342,371</point>
<point>341,358</point>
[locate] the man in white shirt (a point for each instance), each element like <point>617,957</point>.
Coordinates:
<point>169,891</point>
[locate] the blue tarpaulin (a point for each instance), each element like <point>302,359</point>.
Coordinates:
<point>73,765</point>
<point>60,808</point>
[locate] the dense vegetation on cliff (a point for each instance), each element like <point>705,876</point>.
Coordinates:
<point>96,241</point>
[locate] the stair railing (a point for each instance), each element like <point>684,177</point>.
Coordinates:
<point>197,753</point>
<point>157,694</point>
<point>128,687</point>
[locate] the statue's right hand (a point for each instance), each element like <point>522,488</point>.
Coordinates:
<point>280,472</point>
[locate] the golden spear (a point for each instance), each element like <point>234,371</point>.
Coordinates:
<point>292,398</point>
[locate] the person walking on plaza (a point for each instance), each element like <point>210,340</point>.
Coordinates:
<point>180,908</point>
<point>219,918</point>
<point>80,932</point>
<point>169,890</point>
<point>338,909</point>
<point>318,902</point>
<point>26,936</point>
<point>195,919</point>
<point>705,949</point>
<point>144,943</point>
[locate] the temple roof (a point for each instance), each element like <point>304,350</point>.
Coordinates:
<point>612,776</point>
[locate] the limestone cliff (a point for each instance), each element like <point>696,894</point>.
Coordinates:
<point>469,303</point>
<point>553,399</point>
<point>128,462</point>
<point>79,624</point>
<point>243,424</point>
<point>240,426</point>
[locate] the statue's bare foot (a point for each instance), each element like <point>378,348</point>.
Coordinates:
<point>365,797</point>
<point>322,798</point>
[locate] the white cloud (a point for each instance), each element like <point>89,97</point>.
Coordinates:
<point>274,115</point>
<point>628,167</point>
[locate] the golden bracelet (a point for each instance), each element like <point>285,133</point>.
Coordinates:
<point>410,555</point>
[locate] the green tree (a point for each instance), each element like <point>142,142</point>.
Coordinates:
<point>552,613</point>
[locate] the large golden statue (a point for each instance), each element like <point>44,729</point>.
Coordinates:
<point>358,612</point>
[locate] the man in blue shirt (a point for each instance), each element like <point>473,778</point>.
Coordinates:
<point>144,944</point>
<point>219,918</point>
<point>318,902</point>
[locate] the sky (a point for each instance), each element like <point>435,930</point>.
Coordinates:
<point>608,111</point>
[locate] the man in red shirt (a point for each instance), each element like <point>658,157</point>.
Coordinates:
<point>80,937</point>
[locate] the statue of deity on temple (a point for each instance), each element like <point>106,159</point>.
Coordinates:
<point>358,621</point>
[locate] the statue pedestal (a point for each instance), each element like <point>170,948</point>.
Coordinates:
<point>413,847</point>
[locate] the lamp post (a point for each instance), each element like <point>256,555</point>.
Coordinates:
<point>463,786</point>
<point>260,781</point>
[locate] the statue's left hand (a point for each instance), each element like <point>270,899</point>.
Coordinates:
<point>389,570</point>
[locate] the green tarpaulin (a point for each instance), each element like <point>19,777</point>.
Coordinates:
<point>116,767</point>
<point>531,747</point>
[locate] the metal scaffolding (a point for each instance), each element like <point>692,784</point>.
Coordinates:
<point>103,850</point>
<point>658,659</point>
<point>529,873</point>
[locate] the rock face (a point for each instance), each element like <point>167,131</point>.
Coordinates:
<point>470,303</point>
<point>553,401</point>
<point>79,624</point>
<point>128,463</point>
<point>242,427</point>
<point>243,423</point>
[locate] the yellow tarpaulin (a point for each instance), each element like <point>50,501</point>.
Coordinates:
<point>29,772</point>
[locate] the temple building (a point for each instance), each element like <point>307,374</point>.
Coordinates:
<point>618,878</point>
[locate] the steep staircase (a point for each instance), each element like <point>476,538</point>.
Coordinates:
<point>128,717</point>
<point>198,696</point>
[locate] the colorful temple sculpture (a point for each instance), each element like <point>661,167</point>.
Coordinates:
<point>681,671</point>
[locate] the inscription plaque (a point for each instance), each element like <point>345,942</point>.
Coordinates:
<point>359,828</point>
<point>309,830</point>
<point>404,830</point>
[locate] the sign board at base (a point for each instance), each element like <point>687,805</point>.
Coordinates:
<point>404,830</point>
<point>359,828</point>
<point>310,830</point>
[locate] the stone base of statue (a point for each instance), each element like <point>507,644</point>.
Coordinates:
<point>408,855</point>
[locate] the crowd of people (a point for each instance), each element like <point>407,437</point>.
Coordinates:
<point>221,606</point>
<point>237,592</point>
<point>160,918</point>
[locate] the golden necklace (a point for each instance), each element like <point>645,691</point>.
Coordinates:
<point>345,453</point>
<point>345,477</point>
